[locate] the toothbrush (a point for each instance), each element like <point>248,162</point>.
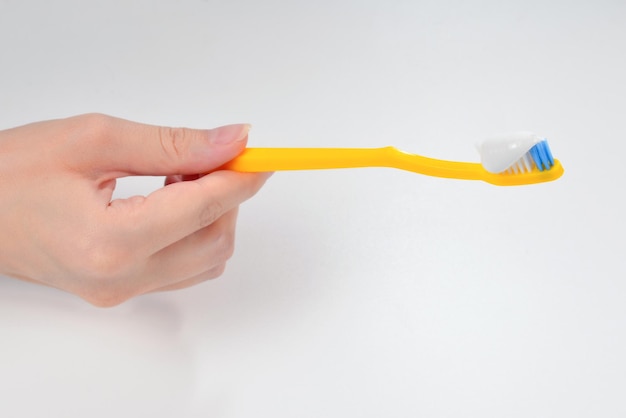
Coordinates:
<point>514,159</point>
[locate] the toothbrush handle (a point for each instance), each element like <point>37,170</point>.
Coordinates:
<point>279,159</point>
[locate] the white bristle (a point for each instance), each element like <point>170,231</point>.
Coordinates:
<point>528,162</point>
<point>521,166</point>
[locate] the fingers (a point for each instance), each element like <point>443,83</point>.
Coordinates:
<point>203,253</point>
<point>180,209</point>
<point>107,144</point>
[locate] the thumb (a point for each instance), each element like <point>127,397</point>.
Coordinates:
<point>129,148</point>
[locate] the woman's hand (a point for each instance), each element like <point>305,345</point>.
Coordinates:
<point>60,227</point>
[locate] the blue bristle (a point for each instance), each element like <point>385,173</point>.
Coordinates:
<point>542,156</point>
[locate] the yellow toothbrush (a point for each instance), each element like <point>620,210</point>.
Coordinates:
<point>515,159</point>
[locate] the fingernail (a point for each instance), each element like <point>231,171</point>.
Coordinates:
<point>228,134</point>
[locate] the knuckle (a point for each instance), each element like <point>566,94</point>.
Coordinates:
<point>95,126</point>
<point>85,134</point>
<point>224,247</point>
<point>104,298</point>
<point>215,272</point>
<point>105,291</point>
<point>174,142</point>
<point>104,271</point>
<point>211,213</point>
<point>95,119</point>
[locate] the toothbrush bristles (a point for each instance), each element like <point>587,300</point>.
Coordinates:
<point>538,156</point>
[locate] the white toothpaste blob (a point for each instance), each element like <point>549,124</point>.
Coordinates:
<point>499,153</point>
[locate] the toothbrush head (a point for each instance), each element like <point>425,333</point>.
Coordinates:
<point>524,155</point>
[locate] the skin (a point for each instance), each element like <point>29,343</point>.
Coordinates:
<point>61,228</point>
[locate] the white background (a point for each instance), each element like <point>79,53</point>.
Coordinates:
<point>352,293</point>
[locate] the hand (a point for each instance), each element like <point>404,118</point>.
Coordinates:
<point>60,227</point>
